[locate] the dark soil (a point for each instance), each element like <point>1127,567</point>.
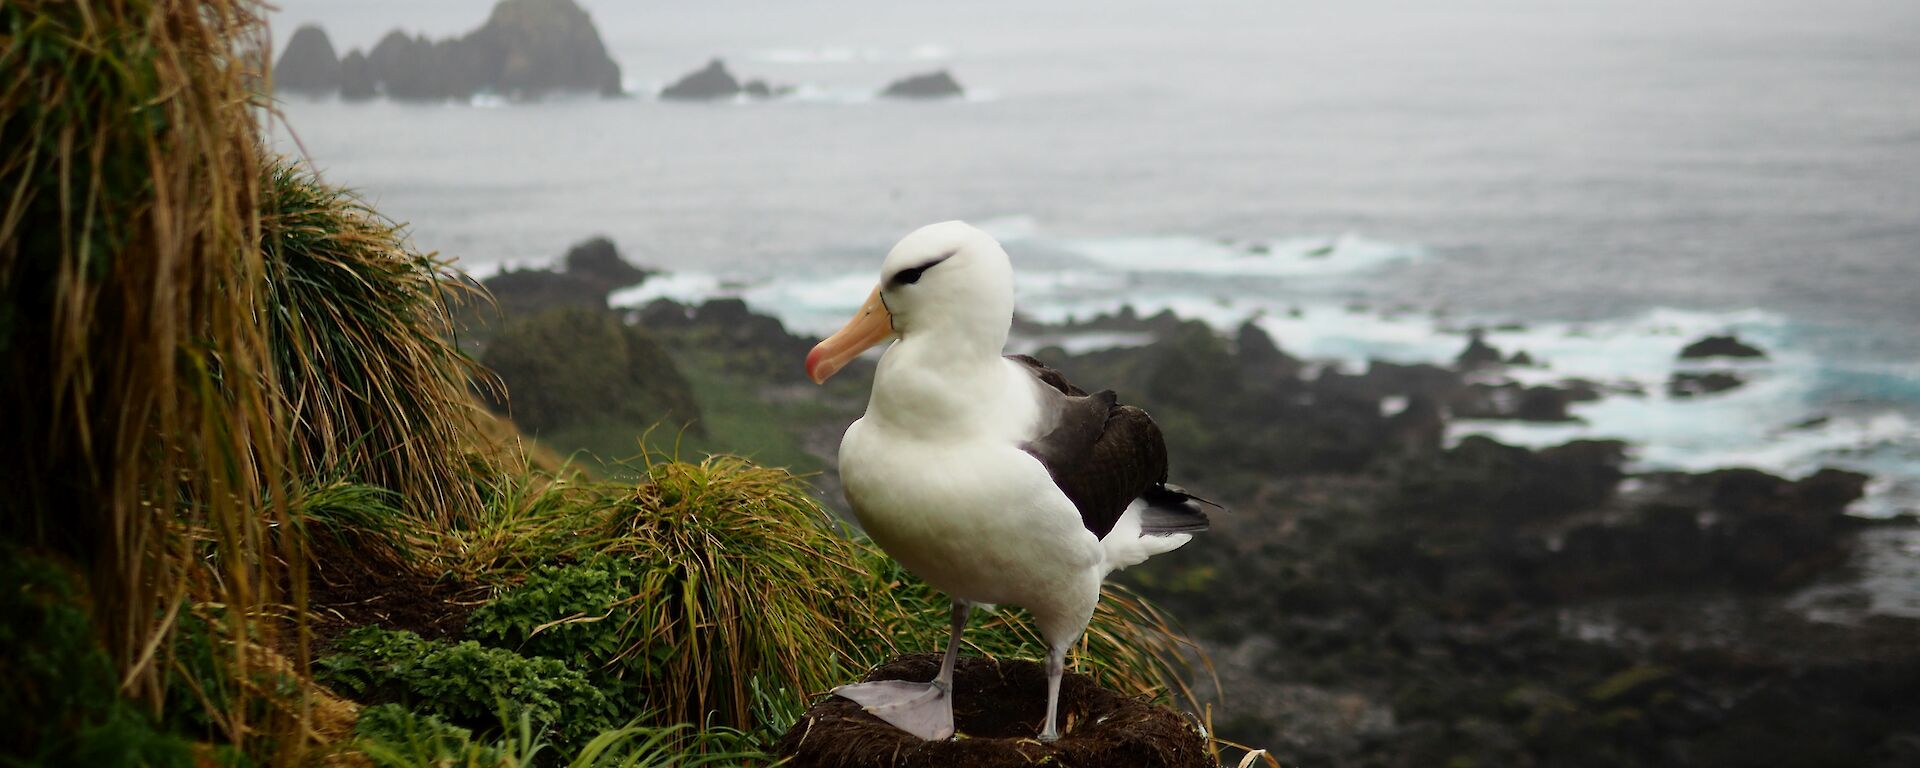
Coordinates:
<point>356,594</point>
<point>998,709</point>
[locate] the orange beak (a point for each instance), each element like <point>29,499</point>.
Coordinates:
<point>870,326</point>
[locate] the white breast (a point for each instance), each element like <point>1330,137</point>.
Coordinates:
<point>977,520</point>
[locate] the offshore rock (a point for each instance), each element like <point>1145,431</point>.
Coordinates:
<point>1720,346</point>
<point>356,78</point>
<point>1478,354</point>
<point>309,64</point>
<point>710,82</point>
<point>933,85</point>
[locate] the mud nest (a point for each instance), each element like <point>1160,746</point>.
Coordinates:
<point>998,707</point>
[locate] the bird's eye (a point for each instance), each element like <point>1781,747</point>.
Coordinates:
<point>909,276</point>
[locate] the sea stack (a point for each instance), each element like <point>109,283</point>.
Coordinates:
<point>309,64</point>
<point>526,49</point>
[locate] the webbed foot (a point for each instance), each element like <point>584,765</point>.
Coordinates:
<point>922,709</point>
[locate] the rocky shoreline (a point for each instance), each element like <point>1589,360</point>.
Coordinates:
<point>1380,597</point>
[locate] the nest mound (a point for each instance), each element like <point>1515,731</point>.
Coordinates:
<point>998,707</point>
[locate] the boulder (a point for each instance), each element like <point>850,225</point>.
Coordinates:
<point>1720,346</point>
<point>933,85</point>
<point>1689,384</point>
<point>309,64</point>
<point>710,82</point>
<point>1478,354</point>
<point>598,260</point>
<point>1260,358</point>
<point>998,708</point>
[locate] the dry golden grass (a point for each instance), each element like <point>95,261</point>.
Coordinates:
<point>132,358</point>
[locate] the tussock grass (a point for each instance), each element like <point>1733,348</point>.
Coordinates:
<point>727,595</point>
<point>740,583</point>
<point>363,520</point>
<point>376,390</point>
<point>137,378</point>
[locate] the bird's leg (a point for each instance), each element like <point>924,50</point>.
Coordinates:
<point>960,610</point>
<point>922,709</point>
<point>1056,666</point>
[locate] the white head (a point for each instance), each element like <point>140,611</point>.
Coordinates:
<point>948,279</point>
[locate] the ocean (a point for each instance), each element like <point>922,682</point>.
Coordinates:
<point>1599,182</point>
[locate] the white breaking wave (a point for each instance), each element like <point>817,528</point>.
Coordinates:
<point>1291,257</point>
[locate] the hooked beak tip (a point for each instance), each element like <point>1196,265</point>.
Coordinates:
<point>813,367</point>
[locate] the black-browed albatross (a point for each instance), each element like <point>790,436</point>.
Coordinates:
<point>991,477</point>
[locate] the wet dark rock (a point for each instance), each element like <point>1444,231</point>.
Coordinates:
<point>1691,384</point>
<point>712,81</point>
<point>1260,357</point>
<point>1511,401</point>
<point>597,259</point>
<point>1720,346</point>
<point>535,290</point>
<point>1418,430</point>
<point>1581,390</point>
<point>309,65</point>
<point>933,85</point>
<point>1385,379</point>
<point>1814,422</point>
<point>1739,529</point>
<point>1521,358</point>
<point>589,272</point>
<point>1478,354</point>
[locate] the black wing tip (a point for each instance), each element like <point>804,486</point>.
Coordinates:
<point>1170,509</point>
<point>1173,490</point>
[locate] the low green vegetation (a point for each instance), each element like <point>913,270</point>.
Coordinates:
<point>467,682</point>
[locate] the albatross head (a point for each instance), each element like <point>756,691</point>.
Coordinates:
<point>948,278</point>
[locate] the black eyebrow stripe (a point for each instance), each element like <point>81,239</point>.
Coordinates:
<point>912,275</point>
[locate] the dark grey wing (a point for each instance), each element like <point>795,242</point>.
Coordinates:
<point>1103,455</point>
<point>1048,376</point>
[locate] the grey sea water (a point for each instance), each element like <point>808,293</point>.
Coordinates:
<point>1617,176</point>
